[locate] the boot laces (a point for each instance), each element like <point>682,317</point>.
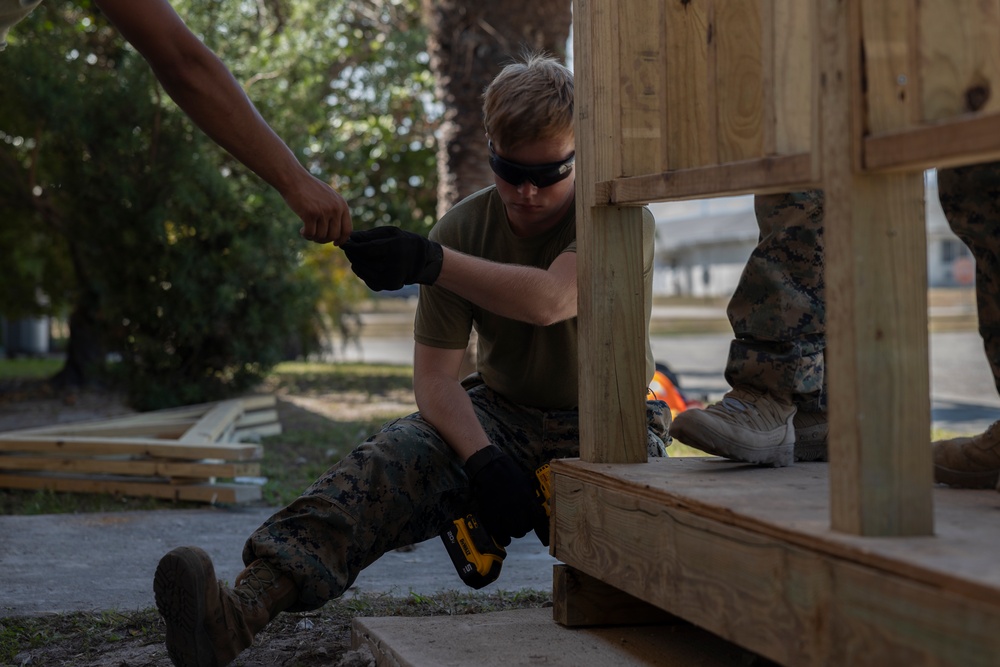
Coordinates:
<point>255,581</point>
<point>751,409</point>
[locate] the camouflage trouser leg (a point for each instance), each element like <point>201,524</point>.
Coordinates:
<point>778,312</point>
<point>970,197</point>
<point>401,486</point>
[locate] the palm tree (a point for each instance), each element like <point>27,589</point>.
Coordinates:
<point>468,42</point>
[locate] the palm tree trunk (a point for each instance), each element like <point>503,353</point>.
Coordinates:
<point>469,41</point>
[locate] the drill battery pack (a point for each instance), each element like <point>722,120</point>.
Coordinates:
<point>477,557</point>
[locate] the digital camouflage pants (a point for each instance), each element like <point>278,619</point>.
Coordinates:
<point>970,197</point>
<point>778,310</point>
<point>404,485</point>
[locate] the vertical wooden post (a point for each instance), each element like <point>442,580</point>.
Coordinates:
<point>876,285</point>
<point>609,259</point>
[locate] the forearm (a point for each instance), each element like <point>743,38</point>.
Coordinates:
<point>206,91</point>
<point>444,403</point>
<point>523,293</point>
<point>203,88</point>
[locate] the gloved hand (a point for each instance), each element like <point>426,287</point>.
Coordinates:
<point>508,504</point>
<point>387,258</point>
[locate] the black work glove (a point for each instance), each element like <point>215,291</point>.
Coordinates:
<point>387,258</point>
<point>508,504</point>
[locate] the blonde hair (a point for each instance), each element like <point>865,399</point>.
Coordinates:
<point>529,100</point>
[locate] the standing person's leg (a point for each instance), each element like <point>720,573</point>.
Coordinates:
<point>776,361</point>
<point>970,197</point>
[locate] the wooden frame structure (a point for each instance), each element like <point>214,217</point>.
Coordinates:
<point>862,561</point>
<point>173,454</point>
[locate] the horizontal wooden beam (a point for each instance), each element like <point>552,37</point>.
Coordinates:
<point>747,554</point>
<point>137,446</point>
<point>205,493</point>
<point>139,468</point>
<point>963,140</point>
<point>786,173</point>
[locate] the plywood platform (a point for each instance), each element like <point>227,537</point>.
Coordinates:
<point>748,554</point>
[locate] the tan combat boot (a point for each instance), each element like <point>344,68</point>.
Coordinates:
<point>746,425</point>
<point>209,624</point>
<point>971,463</point>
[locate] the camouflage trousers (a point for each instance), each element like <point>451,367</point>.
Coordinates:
<point>404,485</point>
<point>778,311</point>
<point>970,197</point>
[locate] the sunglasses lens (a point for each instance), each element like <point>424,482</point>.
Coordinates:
<point>541,176</point>
<point>507,171</point>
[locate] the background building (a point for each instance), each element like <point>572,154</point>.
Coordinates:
<point>703,245</point>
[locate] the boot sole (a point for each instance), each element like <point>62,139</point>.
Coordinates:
<point>811,445</point>
<point>967,480</point>
<point>179,587</point>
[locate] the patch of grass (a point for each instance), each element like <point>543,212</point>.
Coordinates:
<point>29,369</point>
<point>308,377</point>
<point>88,633</point>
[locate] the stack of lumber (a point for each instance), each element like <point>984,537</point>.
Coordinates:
<point>174,454</point>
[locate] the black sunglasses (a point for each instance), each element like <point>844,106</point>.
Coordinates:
<point>539,175</point>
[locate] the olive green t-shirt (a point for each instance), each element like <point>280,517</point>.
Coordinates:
<point>528,364</point>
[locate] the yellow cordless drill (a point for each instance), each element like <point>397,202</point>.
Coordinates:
<point>476,555</point>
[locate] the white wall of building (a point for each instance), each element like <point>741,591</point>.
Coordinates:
<point>703,245</point>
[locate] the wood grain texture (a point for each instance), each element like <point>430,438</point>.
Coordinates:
<point>746,553</point>
<point>690,98</point>
<point>876,286</point>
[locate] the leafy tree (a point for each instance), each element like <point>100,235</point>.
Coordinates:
<point>169,253</point>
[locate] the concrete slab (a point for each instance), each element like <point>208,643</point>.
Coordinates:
<point>531,637</point>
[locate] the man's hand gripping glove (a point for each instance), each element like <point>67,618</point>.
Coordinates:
<point>508,504</point>
<point>387,258</point>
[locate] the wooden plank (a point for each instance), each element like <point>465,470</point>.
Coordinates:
<point>206,493</point>
<point>214,423</point>
<point>580,600</point>
<point>958,141</point>
<point>168,430</point>
<point>792,505</point>
<point>252,433</point>
<point>257,418</point>
<point>609,255</point>
<point>959,58</point>
<point>795,80</point>
<point>876,287</point>
<point>146,423</point>
<point>137,467</point>
<point>892,81</point>
<point>130,426</point>
<point>690,109</point>
<point>739,80</point>
<point>611,297</point>
<point>770,174</point>
<point>818,597</point>
<point>137,446</point>
<point>642,86</point>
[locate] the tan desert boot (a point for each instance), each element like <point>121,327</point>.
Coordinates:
<point>969,462</point>
<point>209,624</point>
